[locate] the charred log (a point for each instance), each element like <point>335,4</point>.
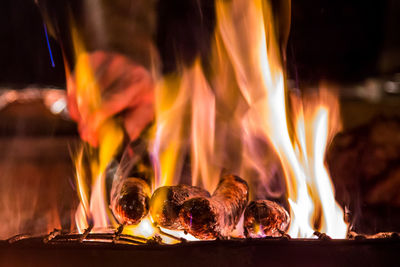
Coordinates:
<point>210,218</point>
<point>167,201</point>
<point>130,200</point>
<point>265,218</point>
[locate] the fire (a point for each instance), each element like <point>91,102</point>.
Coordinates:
<point>146,229</point>
<point>260,77</point>
<point>311,197</point>
<point>215,121</point>
<point>143,229</point>
<point>174,138</point>
<point>93,213</point>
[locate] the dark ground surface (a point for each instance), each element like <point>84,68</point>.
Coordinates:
<point>278,252</point>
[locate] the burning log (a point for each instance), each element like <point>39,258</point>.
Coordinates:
<point>166,203</point>
<point>265,218</point>
<point>209,218</point>
<point>130,200</point>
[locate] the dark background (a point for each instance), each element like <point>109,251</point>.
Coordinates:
<point>24,58</point>
<point>343,41</point>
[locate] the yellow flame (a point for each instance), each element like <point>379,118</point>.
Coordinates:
<point>185,119</point>
<point>110,135</point>
<point>203,130</point>
<point>83,193</point>
<point>144,229</point>
<point>168,144</point>
<point>179,131</point>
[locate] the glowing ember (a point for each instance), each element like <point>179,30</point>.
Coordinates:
<point>143,229</point>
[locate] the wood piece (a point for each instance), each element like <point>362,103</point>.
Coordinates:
<point>167,201</point>
<point>215,217</point>
<point>130,200</point>
<point>265,218</point>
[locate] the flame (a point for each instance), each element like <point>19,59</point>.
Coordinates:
<point>167,149</point>
<point>249,36</point>
<point>215,121</point>
<point>184,127</point>
<point>203,131</point>
<point>179,131</point>
<point>83,212</point>
<point>144,229</point>
<point>94,213</point>
<point>311,193</point>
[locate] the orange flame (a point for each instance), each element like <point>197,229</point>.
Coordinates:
<point>88,96</point>
<point>179,131</point>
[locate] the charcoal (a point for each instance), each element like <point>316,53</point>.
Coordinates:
<point>167,201</point>
<point>265,218</point>
<point>216,216</point>
<point>130,200</point>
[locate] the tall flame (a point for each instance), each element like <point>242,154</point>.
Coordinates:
<point>94,213</point>
<point>249,36</point>
<point>315,128</point>
<point>185,124</point>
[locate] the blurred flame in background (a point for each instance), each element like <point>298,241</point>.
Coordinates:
<point>212,120</point>
<point>95,212</point>
<point>181,100</point>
